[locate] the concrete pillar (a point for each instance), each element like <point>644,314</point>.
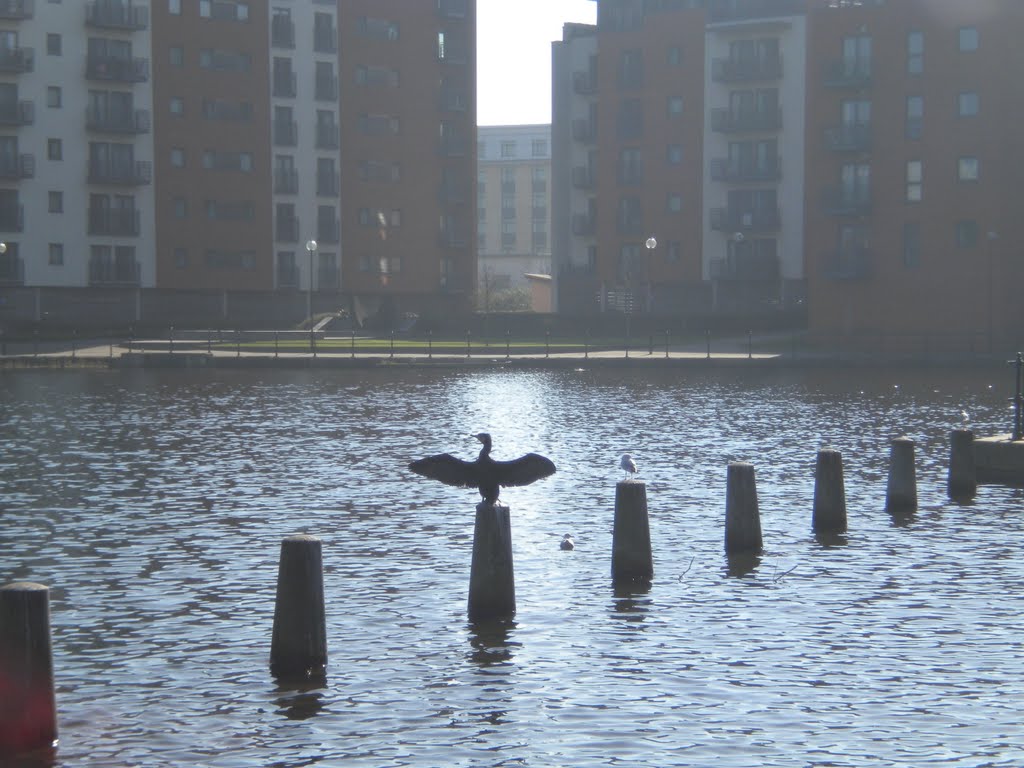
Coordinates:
<point>829,493</point>
<point>962,482</point>
<point>631,534</point>
<point>901,491</point>
<point>298,648</point>
<point>492,584</point>
<point>742,516</point>
<point>28,708</point>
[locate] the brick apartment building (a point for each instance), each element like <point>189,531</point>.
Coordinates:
<point>178,160</point>
<point>854,157</point>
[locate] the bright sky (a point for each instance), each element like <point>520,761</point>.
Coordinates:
<point>513,56</point>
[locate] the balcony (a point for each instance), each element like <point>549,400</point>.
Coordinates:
<point>327,136</point>
<point>849,73</point>
<point>582,177</point>
<point>12,217</point>
<point>452,9</point>
<point>325,88</point>
<point>584,83</point>
<point>108,14</point>
<point>734,219</point>
<point>849,137</point>
<point>17,167</point>
<point>282,32</point>
<point>287,229</point>
<point>328,231</point>
<point>116,69</point>
<point>847,202</point>
<point>16,60</point>
<point>16,10</point>
<point>328,183</point>
<point>746,267</point>
<point>450,239</point>
<point>325,39</point>
<point>132,174</point>
<point>731,172</point>
<point>286,134</point>
<point>852,263</point>
<point>17,113</point>
<point>328,278</point>
<point>583,225</point>
<point>755,9</point>
<point>286,181</point>
<point>725,120</point>
<point>120,272</point>
<point>451,146</point>
<point>12,268</point>
<point>117,121</point>
<point>287,276</point>
<point>584,130</point>
<point>452,192</point>
<point>747,70</point>
<point>114,222</point>
<point>453,99</point>
<point>284,85</point>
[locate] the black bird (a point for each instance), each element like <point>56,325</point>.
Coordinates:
<point>485,473</point>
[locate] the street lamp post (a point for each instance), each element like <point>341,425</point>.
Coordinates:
<point>650,245</point>
<point>311,248</point>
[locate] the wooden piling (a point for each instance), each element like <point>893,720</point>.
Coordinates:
<point>901,490</point>
<point>742,516</point>
<point>631,534</point>
<point>962,481</point>
<point>298,648</point>
<point>492,584</point>
<point>829,514</point>
<point>28,709</point>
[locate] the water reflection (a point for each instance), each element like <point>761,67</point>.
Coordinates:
<point>831,539</point>
<point>300,701</point>
<point>632,602</point>
<point>741,564</point>
<point>490,643</point>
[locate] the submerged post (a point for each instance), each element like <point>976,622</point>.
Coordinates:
<point>298,649</point>
<point>829,493</point>
<point>901,491</point>
<point>962,480</point>
<point>631,534</point>
<point>492,584</point>
<point>742,516</point>
<point>28,709</point>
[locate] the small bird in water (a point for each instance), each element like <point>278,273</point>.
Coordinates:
<point>567,543</point>
<point>965,419</point>
<point>485,473</point>
<point>627,465</point>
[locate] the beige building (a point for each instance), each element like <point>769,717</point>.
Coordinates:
<point>513,206</point>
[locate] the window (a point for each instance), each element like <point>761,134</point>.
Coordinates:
<point>631,166</point>
<point>675,56</point>
<point>180,258</point>
<point>674,252</point>
<point>539,148</point>
<point>967,169</point>
<point>915,174</point>
<point>481,150</point>
<point>915,116</point>
<point>56,258</point>
<point>915,52</point>
<point>966,234</point>
<point>967,104</point>
<point>177,157</point>
<point>968,39</point>
<point>674,203</point>
<point>177,106</point>
<point>180,208</point>
<point>53,44</point>
<point>856,60</point>
<point>675,154</point>
<point>56,202</point>
<point>631,69</point>
<point>53,96</point>
<point>675,106</point>
<point>508,149</point>
<point>174,7</point>
<point>54,149</point>
<point>176,56</point>
<point>911,244</point>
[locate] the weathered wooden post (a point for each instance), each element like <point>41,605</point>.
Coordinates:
<point>829,493</point>
<point>901,490</point>
<point>631,534</point>
<point>298,649</point>
<point>28,709</point>
<point>962,481</point>
<point>492,584</point>
<point>742,516</point>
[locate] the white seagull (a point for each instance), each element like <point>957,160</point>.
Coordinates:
<point>627,465</point>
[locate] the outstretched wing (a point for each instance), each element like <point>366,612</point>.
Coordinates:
<point>524,470</point>
<point>447,469</point>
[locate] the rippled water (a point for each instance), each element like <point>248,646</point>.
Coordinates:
<point>153,504</point>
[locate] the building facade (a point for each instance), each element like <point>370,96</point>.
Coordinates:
<point>513,206</point>
<point>856,158</point>
<point>311,149</point>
